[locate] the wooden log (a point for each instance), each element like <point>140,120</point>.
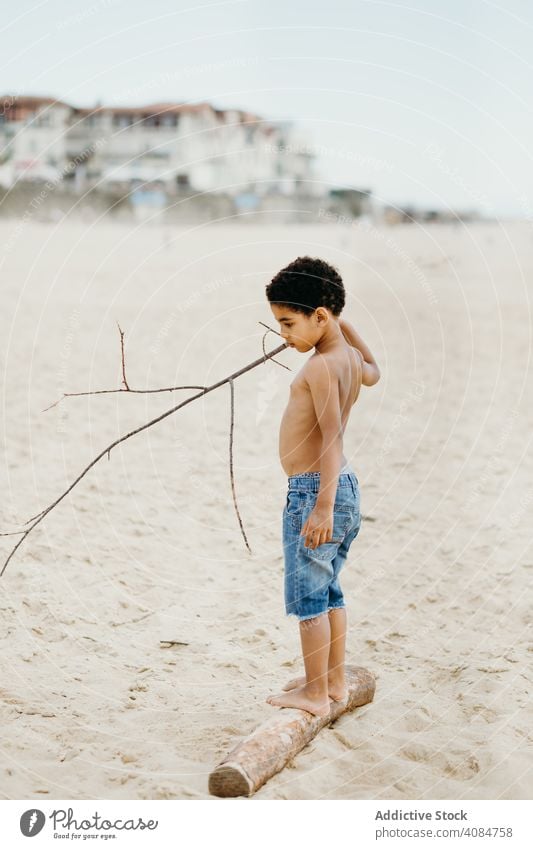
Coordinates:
<point>269,748</point>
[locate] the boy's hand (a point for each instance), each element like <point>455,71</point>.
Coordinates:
<point>318,528</point>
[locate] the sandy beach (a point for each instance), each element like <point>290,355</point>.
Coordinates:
<point>147,547</point>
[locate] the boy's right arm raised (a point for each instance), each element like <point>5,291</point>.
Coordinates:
<point>371,373</point>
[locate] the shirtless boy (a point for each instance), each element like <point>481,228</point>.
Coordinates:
<point>322,514</point>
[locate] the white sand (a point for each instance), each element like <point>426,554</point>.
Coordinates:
<point>147,546</point>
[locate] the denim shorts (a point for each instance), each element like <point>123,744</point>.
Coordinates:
<point>312,575</point>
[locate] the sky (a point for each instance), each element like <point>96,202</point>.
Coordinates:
<point>426,102</point>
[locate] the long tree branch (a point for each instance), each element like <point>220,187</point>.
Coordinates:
<point>40,516</point>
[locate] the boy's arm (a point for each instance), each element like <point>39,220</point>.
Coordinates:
<point>324,388</point>
<point>371,373</point>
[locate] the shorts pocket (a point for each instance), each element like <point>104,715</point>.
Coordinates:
<point>296,503</point>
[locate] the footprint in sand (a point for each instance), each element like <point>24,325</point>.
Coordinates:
<point>480,712</point>
<point>418,719</point>
<point>459,765</point>
<point>463,769</point>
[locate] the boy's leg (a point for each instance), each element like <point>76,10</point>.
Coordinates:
<point>337,652</point>
<point>337,613</point>
<point>336,656</point>
<point>313,692</point>
<point>338,626</point>
<point>315,636</point>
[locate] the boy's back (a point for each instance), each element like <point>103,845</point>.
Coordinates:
<point>300,436</point>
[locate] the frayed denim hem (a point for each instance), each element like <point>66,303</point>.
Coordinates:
<point>337,607</point>
<point>310,615</point>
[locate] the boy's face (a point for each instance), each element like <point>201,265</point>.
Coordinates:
<point>299,331</point>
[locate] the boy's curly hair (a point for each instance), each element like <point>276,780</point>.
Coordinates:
<point>307,283</point>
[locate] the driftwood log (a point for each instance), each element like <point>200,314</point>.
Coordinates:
<point>269,748</point>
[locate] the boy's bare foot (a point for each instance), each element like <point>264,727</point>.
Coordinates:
<point>299,697</point>
<point>337,690</point>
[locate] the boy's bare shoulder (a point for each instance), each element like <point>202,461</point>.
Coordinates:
<point>321,370</point>
<point>322,366</point>
<point>317,373</point>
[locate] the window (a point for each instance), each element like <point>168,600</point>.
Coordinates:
<point>122,120</point>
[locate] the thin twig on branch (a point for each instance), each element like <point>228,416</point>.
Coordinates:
<point>124,392</point>
<point>232,420</point>
<point>263,343</point>
<point>124,381</point>
<point>40,516</point>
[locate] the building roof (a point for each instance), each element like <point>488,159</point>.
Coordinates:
<point>29,102</point>
<point>149,109</point>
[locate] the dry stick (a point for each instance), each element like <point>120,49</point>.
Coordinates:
<point>230,381</point>
<point>170,389</point>
<point>140,391</point>
<point>43,513</point>
<point>167,389</point>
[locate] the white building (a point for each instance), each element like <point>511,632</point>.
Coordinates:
<point>193,146</point>
<point>32,138</point>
